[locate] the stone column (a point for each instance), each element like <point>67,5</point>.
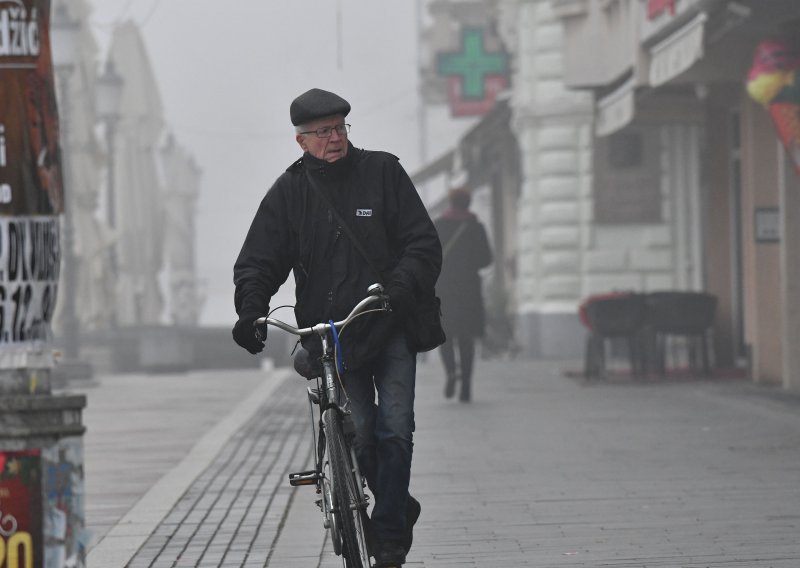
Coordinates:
<point>41,469</point>
<point>553,126</point>
<point>790,273</point>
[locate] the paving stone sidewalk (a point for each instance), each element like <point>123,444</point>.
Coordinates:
<point>233,513</point>
<point>539,470</point>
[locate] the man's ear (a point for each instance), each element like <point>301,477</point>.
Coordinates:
<point>301,141</point>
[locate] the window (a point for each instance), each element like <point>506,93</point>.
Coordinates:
<point>625,150</point>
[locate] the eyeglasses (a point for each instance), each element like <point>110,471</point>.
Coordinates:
<point>325,131</point>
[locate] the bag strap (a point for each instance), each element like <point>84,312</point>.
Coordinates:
<point>461,228</point>
<point>345,227</point>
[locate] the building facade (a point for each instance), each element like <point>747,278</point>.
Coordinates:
<point>676,71</point>
<point>644,165</point>
<point>596,214</point>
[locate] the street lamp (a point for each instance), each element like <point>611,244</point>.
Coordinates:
<point>65,33</point>
<point>108,102</point>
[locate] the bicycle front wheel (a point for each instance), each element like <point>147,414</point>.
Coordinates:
<point>350,506</point>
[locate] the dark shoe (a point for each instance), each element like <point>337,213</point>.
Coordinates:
<point>369,534</point>
<point>391,554</point>
<point>413,509</point>
<point>466,389</point>
<point>450,387</point>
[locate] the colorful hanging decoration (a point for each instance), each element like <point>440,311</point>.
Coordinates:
<point>774,82</point>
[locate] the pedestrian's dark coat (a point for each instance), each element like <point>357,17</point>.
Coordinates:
<point>459,285</point>
<point>293,231</point>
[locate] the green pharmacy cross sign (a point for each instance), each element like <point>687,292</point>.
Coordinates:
<point>474,76</point>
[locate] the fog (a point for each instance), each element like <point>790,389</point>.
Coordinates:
<point>227,72</point>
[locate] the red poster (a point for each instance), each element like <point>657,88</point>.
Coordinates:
<point>21,509</point>
<point>30,157</point>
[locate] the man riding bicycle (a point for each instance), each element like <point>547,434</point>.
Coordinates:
<point>298,228</point>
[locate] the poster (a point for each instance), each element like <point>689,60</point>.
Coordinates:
<point>63,525</point>
<point>20,509</point>
<point>41,507</point>
<point>29,268</point>
<point>31,189</point>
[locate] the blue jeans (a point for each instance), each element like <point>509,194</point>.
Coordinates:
<point>384,432</point>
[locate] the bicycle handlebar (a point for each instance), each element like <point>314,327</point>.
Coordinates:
<point>375,295</point>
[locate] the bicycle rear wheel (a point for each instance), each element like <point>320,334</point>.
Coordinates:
<point>350,505</point>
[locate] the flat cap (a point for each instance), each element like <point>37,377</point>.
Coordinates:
<point>316,103</point>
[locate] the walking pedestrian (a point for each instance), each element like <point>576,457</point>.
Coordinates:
<point>298,228</point>
<point>465,250</point>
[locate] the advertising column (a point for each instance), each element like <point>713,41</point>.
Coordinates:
<point>41,446</point>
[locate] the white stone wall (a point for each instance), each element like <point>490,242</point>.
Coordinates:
<point>553,128</point>
<point>563,256</point>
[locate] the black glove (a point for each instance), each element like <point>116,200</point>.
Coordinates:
<point>401,299</point>
<point>244,333</point>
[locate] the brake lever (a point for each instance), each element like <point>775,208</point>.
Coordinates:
<point>378,290</point>
<point>261,332</point>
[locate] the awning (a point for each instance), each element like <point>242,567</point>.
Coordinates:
<point>570,8</point>
<point>439,166</point>
<point>615,110</point>
<point>678,52</point>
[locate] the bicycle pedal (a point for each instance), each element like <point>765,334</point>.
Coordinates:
<point>304,478</point>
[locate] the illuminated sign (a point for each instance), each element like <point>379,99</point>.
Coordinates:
<point>474,76</point>
<point>657,7</point>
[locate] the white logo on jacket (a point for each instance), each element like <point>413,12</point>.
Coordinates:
<point>363,212</point>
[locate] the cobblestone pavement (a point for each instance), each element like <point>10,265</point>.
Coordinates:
<point>235,510</point>
<point>539,470</point>
<point>139,427</point>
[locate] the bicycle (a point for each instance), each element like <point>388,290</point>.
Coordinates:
<point>336,475</point>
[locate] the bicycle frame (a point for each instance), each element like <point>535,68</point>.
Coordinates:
<point>336,474</point>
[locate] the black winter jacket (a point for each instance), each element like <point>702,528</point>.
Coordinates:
<point>293,231</point>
